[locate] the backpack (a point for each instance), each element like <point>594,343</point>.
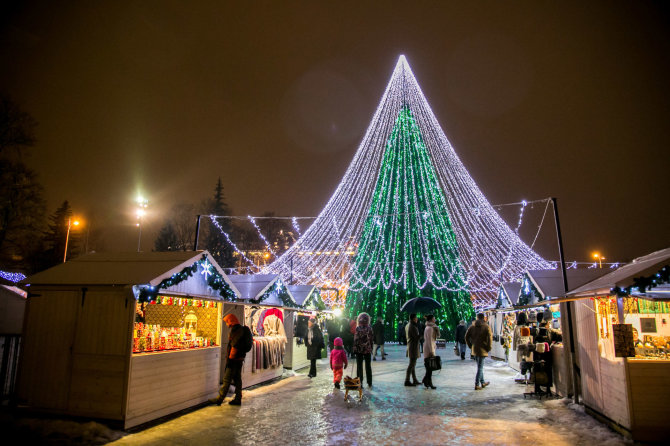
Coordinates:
<point>247,341</point>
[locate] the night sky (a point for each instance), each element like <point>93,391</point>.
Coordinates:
<point>539,99</point>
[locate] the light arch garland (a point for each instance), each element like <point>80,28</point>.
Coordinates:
<point>489,251</point>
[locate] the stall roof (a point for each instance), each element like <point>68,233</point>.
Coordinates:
<point>512,290</point>
<point>300,293</point>
<point>252,286</point>
<point>119,268</point>
<point>549,282</point>
<point>623,277</point>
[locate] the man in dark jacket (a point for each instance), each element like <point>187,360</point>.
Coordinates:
<point>413,353</point>
<point>378,333</point>
<point>235,355</point>
<point>480,340</point>
<point>460,338</point>
<point>314,344</point>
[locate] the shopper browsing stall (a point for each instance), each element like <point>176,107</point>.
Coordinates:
<point>240,341</point>
<point>314,344</point>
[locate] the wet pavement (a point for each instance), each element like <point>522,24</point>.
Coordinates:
<point>298,410</point>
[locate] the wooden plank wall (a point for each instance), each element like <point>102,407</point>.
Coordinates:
<point>101,353</point>
<point>649,393</point>
<point>603,380</point>
<point>164,383</point>
<point>586,347</point>
<point>46,359</point>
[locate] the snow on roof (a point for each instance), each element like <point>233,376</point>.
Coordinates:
<point>300,293</point>
<point>511,291</point>
<point>549,282</point>
<point>119,268</point>
<point>623,277</point>
<point>252,286</point>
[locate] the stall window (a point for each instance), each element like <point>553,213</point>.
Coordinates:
<point>176,323</point>
<point>649,319</point>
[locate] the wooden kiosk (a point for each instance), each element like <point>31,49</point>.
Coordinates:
<point>128,337</point>
<point>627,381</point>
<point>308,300</point>
<point>261,306</point>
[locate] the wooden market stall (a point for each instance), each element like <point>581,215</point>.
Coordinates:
<point>536,299</point>
<point>308,303</point>
<point>261,306</point>
<point>623,338</point>
<point>128,337</point>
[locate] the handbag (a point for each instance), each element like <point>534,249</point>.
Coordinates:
<point>457,352</point>
<point>435,363</point>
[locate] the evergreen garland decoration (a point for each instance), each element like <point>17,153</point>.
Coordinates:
<point>312,299</point>
<point>214,281</point>
<point>282,292</point>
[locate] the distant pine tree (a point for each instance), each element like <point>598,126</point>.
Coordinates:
<point>211,237</point>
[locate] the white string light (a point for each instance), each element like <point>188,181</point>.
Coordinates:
<point>489,250</point>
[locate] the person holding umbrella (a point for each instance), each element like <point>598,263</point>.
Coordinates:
<point>413,353</point>
<point>421,305</point>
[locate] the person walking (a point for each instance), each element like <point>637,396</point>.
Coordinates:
<point>480,339</point>
<point>430,335</point>
<point>413,353</point>
<point>363,347</point>
<point>240,341</point>
<point>460,338</point>
<point>314,344</point>
<point>338,361</point>
<point>378,333</point>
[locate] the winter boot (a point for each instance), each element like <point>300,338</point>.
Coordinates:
<point>337,385</point>
<point>218,401</point>
<point>462,356</point>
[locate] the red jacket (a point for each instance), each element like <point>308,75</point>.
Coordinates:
<point>338,359</point>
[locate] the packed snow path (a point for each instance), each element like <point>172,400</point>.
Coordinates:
<point>299,410</point>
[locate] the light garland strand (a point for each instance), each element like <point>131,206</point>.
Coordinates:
<point>488,250</point>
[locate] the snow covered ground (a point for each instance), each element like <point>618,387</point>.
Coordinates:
<point>299,410</point>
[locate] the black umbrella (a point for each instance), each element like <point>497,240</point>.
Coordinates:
<point>420,305</point>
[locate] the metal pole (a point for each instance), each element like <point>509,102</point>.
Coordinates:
<point>139,237</point>
<point>197,233</point>
<point>574,369</point>
<point>67,237</point>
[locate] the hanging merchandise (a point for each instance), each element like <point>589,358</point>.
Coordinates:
<point>270,339</point>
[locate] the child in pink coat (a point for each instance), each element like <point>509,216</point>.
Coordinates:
<point>338,361</point>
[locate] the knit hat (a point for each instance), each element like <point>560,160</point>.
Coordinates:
<point>338,342</point>
<point>230,319</point>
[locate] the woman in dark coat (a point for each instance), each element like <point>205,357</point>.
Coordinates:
<point>363,347</point>
<point>413,350</point>
<point>314,344</point>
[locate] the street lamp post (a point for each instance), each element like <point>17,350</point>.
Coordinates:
<point>599,258</point>
<point>142,204</point>
<point>67,235</point>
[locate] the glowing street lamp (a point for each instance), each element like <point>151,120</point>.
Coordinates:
<point>70,223</point>
<point>142,204</point>
<point>599,258</point>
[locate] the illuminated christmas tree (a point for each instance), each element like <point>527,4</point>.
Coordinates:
<point>408,220</point>
<point>408,243</point>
